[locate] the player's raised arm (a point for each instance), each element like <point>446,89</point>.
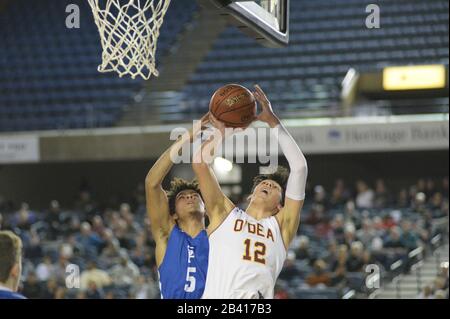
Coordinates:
<point>218,206</point>
<point>156,198</point>
<point>289,215</point>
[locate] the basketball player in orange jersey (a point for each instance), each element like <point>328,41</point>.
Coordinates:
<point>248,248</point>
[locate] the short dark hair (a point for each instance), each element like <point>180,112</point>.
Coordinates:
<point>177,186</point>
<point>11,251</point>
<point>280,176</point>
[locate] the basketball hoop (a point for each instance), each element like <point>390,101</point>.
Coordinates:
<point>129,31</point>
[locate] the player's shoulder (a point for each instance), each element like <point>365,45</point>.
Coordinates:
<point>238,212</point>
<point>5,294</point>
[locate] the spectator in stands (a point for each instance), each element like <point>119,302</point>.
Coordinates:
<point>339,277</point>
<point>443,273</point>
<point>365,196</point>
<point>408,238</point>
<point>125,273</point>
<point>419,203</point>
<point>394,239</point>
<point>85,205</point>
<point>24,218</point>
<point>53,220</point>
<point>81,295</point>
<point>98,226</point>
<point>110,295</point>
<point>382,198</point>
<point>352,215</point>
<point>124,237</point>
<point>368,258</point>
<point>439,284</point>
<point>139,254</point>
<point>132,226</point>
<point>90,241</point>
<point>420,186</point>
<point>319,276</point>
<point>427,293</point>
<point>403,199</point>
<point>33,248</point>
<point>349,234</point>
<point>94,275</point>
<point>337,226</point>
<point>445,188</point>
<point>388,221</point>
<point>315,216</point>
<point>67,248</point>
<point>303,252</point>
<point>60,293</point>
<point>45,269</point>
<point>61,266</point>
<point>32,288</point>
<point>145,288</point>
<point>332,253</point>
<point>341,260</point>
<point>367,233</point>
<point>378,226</point>
<point>430,188</point>
<point>93,291</point>
<point>441,294</point>
<point>355,261</point>
<point>139,199</point>
<point>125,210</point>
<point>320,196</point>
<point>110,253</point>
<point>289,271</point>
<point>340,194</point>
<point>281,292</point>
<point>73,225</point>
<point>436,201</point>
<point>49,290</point>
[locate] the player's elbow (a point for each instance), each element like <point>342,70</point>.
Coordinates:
<point>151,182</point>
<point>300,168</point>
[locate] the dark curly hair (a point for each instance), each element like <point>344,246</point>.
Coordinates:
<point>177,186</point>
<point>280,176</point>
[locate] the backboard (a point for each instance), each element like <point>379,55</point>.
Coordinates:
<point>265,20</point>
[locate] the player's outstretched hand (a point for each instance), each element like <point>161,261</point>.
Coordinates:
<point>219,125</point>
<point>267,114</point>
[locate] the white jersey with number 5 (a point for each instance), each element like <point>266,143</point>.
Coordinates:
<point>245,258</point>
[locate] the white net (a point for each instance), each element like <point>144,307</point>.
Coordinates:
<point>129,31</point>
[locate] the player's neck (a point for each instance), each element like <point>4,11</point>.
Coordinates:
<point>257,211</point>
<point>192,226</point>
<point>9,285</point>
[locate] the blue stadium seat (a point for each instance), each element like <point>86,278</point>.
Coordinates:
<point>46,67</point>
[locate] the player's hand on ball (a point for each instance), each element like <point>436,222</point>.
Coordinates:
<point>205,120</point>
<point>267,114</point>
<point>197,128</point>
<point>219,125</point>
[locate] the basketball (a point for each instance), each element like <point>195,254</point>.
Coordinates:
<point>234,105</point>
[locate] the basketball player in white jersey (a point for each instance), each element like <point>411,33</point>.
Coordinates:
<point>248,248</point>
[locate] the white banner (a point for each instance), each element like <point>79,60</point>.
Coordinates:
<point>359,138</point>
<point>19,149</point>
